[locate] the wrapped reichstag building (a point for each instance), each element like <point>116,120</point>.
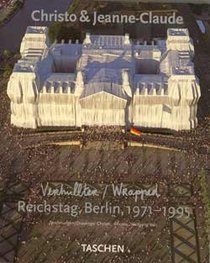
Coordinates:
<point>106,80</point>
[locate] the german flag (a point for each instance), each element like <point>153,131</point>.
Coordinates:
<point>135,131</point>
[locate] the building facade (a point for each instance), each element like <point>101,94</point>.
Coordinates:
<point>106,80</point>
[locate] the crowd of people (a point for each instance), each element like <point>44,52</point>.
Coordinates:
<point>31,160</point>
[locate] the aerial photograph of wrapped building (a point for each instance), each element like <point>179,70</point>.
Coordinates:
<point>106,80</point>
<point>105,131</point>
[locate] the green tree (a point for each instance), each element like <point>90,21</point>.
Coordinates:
<point>7,54</point>
<point>7,71</point>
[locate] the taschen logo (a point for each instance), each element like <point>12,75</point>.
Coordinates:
<point>103,248</point>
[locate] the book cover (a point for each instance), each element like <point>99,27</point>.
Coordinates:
<point>104,131</point>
